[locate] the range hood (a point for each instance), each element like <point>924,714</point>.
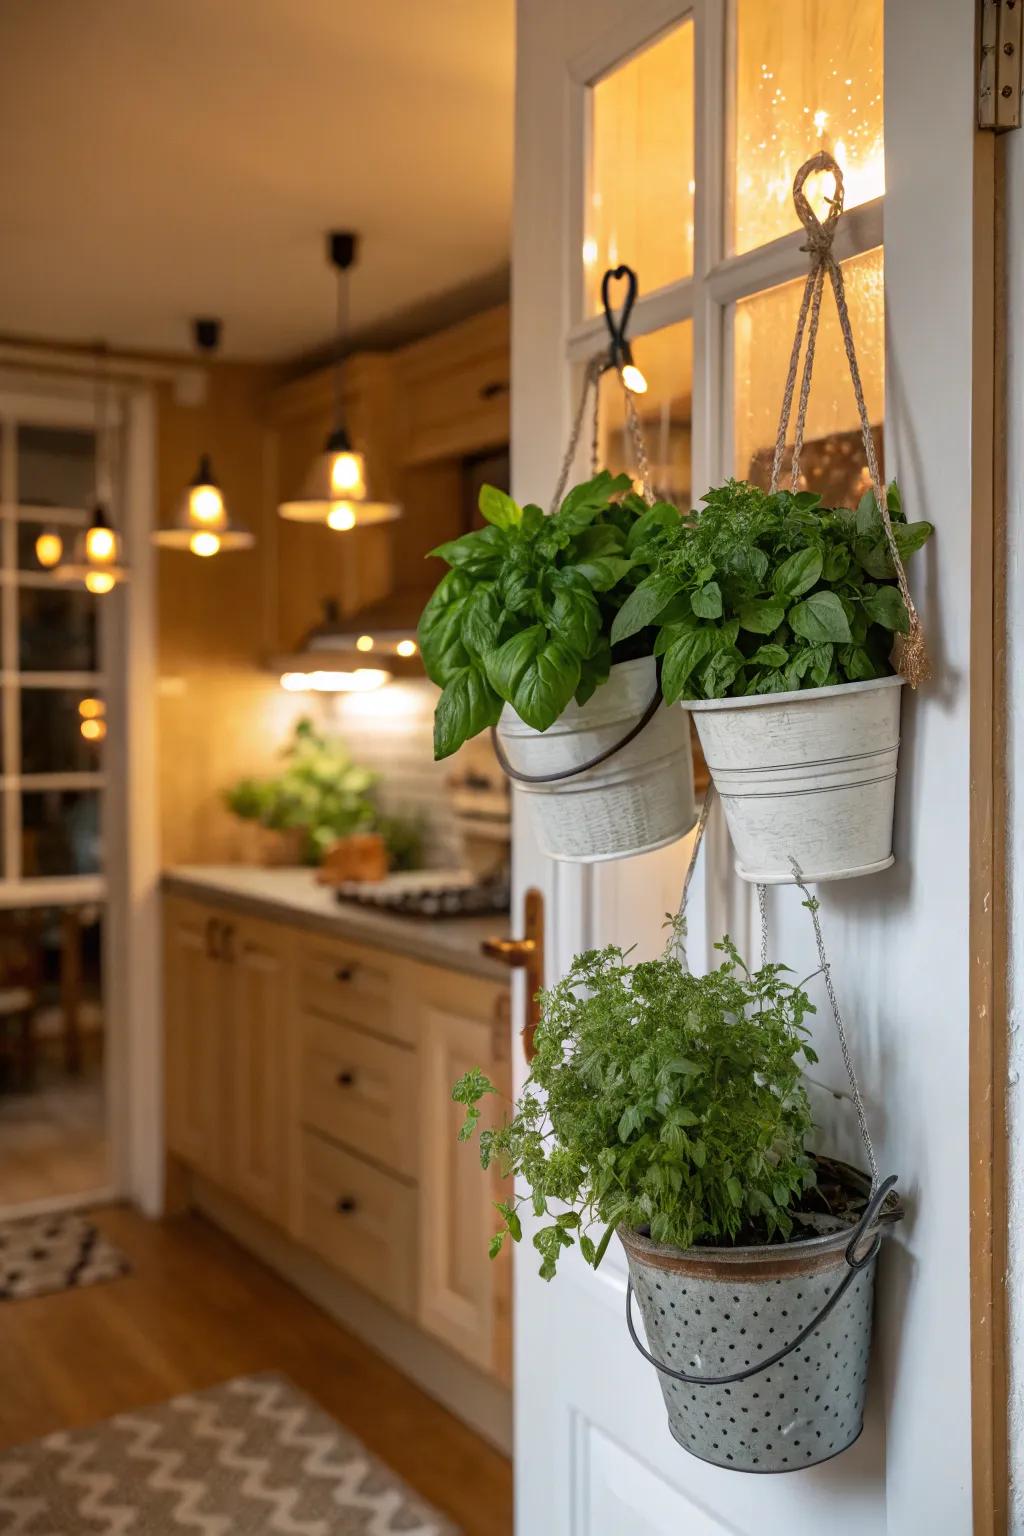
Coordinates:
<point>360,652</point>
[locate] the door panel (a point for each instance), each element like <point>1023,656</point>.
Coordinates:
<point>594,1455</point>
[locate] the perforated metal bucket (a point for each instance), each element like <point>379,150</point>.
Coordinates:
<point>727,1318</point>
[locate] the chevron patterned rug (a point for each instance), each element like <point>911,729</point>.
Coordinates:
<point>253,1457</point>
<point>43,1254</point>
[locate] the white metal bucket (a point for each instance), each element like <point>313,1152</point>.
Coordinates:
<point>638,799</point>
<point>808,775</point>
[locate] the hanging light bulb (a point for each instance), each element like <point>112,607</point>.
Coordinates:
<point>202,523</point>
<point>620,352</point>
<point>336,489</point>
<point>97,560</point>
<point>97,557</point>
<point>49,549</point>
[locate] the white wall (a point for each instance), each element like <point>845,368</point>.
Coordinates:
<point>1014,147</point>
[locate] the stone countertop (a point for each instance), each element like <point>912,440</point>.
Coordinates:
<point>293,896</point>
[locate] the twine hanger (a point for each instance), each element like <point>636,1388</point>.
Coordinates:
<point>910,655</point>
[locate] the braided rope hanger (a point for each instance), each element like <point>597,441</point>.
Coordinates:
<point>910,655</point>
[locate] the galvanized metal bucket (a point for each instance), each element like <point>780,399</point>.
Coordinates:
<point>612,777</point>
<point>762,1352</point>
<point>809,775</point>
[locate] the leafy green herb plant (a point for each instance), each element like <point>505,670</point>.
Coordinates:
<point>524,616</point>
<point>325,795</point>
<point>760,593</point>
<point>660,1100</point>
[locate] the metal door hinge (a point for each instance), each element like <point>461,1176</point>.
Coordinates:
<point>999,76</point>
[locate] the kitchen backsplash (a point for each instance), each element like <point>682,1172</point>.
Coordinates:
<point>391,731</point>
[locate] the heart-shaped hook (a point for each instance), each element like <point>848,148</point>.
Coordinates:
<point>617,328</point>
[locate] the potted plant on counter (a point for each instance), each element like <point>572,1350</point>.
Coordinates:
<point>320,798</point>
<point>671,1109</point>
<point>519,636</point>
<point>775,618</point>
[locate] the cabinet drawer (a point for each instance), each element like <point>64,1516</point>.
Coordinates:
<point>360,1090</point>
<point>348,984</point>
<point>464,408</point>
<point>362,1221</point>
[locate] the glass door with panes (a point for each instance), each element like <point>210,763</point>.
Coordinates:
<point>54,659</point>
<point>667,136</point>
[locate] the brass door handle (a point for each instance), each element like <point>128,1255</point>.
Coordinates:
<point>527,954</point>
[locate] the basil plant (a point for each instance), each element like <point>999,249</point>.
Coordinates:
<point>525,614</point>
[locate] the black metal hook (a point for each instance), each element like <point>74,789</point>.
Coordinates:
<point>620,352</point>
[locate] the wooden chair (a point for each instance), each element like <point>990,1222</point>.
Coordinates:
<point>21,974</point>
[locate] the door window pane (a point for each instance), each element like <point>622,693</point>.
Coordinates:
<point>56,466</point>
<point>60,833</point>
<point>640,198</point>
<point>666,360</point>
<point>808,77</point>
<point>832,462</point>
<point>62,731</point>
<point>56,630</point>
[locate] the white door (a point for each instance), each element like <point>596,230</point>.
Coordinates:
<point>666,135</point>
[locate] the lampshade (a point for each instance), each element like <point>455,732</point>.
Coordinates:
<point>335,490</point>
<point>97,560</point>
<point>202,523</point>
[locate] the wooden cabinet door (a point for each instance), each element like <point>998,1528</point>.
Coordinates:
<point>257,1092</point>
<point>195,1037</point>
<point>464,1296</point>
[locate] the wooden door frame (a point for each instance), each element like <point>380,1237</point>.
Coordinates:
<point>989,933</point>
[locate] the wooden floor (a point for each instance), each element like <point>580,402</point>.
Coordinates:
<point>53,1141</point>
<point>197,1310</point>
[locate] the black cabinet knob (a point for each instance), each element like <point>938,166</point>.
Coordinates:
<point>345,1079</point>
<point>345,1205</point>
<point>344,973</point>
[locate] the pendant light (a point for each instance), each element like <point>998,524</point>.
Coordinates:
<point>97,560</point>
<point>336,489</point>
<point>202,524</point>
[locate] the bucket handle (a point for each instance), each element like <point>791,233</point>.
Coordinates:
<point>592,762</point>
<point>854,1263</point>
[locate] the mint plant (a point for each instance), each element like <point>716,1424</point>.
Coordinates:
<point>763,593</point>
<point>659,1100</point>
<point>524,616</point>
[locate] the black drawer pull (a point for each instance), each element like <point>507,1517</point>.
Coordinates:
<point>344,973</point>
<point>345,1205</point>
<point>493,390</point>
<point>345,1079</point>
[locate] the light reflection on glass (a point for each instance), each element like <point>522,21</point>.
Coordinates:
<point>640,200</point>
<point>832,462</point>
<point>821,90</point>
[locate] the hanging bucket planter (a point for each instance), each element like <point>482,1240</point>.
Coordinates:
<point>809,775</point>
<point>762,1352</point>
<point>609,779</point>
<point>772,593</point>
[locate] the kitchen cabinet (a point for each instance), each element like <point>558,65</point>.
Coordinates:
<point>453,390</point>
<point>253,955</point>
<point>193,1019</point>
<point>464,1295</point>
<point>309,1078</point>
<point>225,1023</point>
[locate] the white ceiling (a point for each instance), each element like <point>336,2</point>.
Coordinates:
<point>161,159</point>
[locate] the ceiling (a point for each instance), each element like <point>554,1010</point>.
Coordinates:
<point>171,158</point>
